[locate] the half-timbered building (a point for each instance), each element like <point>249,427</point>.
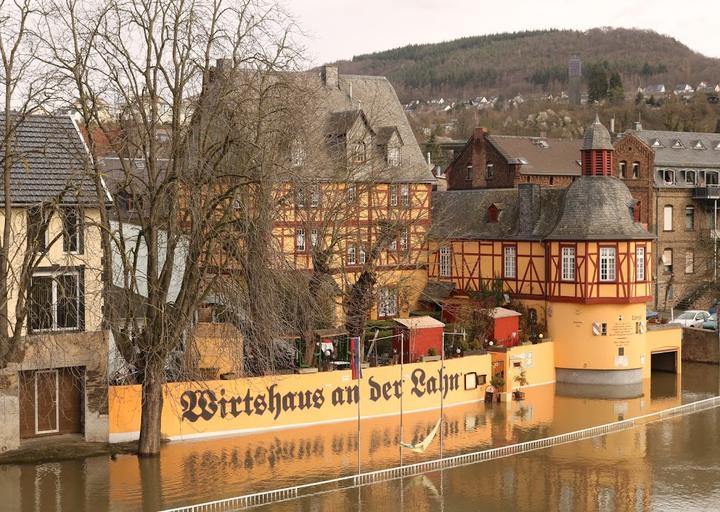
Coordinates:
<point>357,184</point>
<point>577,256</point>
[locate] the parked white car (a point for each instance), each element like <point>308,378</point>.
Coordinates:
<point>692,318</point>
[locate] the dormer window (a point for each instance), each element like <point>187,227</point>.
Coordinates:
<point>359,155</point>
<point>716,146</point>
<point>494,212</point>
<point>698,145</point>
<point>677,144</point>
<point>690,177</point>
<point>667,176</point>
<point>656,143</point>
<point>297,154</point>
<point>393,156</point>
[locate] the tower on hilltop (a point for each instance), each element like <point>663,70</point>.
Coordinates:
<point>574,79</point>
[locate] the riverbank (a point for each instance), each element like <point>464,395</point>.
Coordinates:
<point>62,448</point>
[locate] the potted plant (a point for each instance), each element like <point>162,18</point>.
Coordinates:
<point>521,380</point>
<point>497,382</point>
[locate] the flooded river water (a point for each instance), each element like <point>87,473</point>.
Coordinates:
<point>668,465</point>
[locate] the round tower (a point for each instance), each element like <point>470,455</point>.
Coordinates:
<point>600,268</point>
<point>597,151</point>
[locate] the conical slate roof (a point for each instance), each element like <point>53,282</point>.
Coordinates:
<point>598,208</point>
<point>597,136</point>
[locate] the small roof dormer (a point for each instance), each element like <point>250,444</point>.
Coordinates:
<point>494,211</point>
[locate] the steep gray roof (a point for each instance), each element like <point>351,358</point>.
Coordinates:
<point>685,154</point>
<point>529,213</point>
<point>377,100</point>
<point>591,208</point>
<point>597,136</point>
<point>48,161</point>
<point>598,208</point>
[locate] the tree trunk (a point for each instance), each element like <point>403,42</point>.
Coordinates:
<point>152,404</point>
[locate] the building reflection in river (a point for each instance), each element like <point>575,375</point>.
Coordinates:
<point>605,473</point>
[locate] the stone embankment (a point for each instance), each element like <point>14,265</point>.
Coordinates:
<point>700,346</point>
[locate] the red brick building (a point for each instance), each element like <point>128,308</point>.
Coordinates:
<point>504,161</point>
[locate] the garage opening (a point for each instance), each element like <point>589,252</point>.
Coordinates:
<point>665,361</point>
<point>51,402</point>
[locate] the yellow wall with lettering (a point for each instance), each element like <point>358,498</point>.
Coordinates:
<point>280,401</point>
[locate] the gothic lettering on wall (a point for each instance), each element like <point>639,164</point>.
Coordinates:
<point>205,404</point>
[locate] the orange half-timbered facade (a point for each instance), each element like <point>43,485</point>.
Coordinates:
<point>357,191</point>
<point>576,256</point>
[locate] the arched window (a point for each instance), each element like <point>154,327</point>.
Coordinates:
<point>622,167</point>
<point>636,170</point>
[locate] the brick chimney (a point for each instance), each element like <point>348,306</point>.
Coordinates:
<point>330,76</point>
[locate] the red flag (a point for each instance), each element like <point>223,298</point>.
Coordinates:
<point>355,355</point>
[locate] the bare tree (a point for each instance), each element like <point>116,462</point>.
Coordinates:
<point>198,149</point>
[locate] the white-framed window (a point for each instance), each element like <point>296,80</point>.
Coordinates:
<point>315,196</point>
<point>607,264</point>
<point>359,155</point>
<point>404,239</point>
<point>689,261</point>
<point>55,303</point>
<point>445,262</point>
<point>351,254</point>
<point>393,156</point>
<point>387,302</point>
<point>668,218</point>
<point>405,195</point>
<point>469,172</point>
<point>351,193</point>
<point>393,245</point>
<point>568,264</point>
<point>314,238</point>
<point>299,197</point>
<point>297,154</point>
<point>72,228</point>
<point>300,239</point>
<point>362,255</point>
<point>510,262</point>
<point>640,264</point>
<point>622,169</point>
<point>393,195</point>
<point>636,170</point>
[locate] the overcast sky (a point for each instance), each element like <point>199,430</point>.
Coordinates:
<point>339,29</point>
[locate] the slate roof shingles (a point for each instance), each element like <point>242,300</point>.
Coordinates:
<point>49,162</point>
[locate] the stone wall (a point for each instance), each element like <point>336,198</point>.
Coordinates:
<point>700,346</point>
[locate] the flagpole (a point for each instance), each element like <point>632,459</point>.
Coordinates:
<point>402,391</point>
<point>358,363</point>
<point>442,389</point>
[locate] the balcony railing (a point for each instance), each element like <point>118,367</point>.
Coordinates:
<point>707,192</point>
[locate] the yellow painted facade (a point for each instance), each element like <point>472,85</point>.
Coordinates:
<point>281,401</point>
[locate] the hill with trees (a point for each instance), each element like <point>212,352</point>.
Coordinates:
<point>535,62</point>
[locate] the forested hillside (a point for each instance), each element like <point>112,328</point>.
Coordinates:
<point>535,61</point>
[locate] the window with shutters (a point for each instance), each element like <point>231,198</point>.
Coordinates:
<point>568,264</point>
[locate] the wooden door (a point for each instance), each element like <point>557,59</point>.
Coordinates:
<point>51,402</point>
